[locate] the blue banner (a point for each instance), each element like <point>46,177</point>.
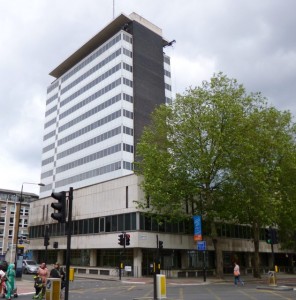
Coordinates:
<point>197,228</point>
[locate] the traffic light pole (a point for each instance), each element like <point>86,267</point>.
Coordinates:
<point>272,256</point>
<point>69,232</point>
<point>46,241</point>
<point>155,265</point>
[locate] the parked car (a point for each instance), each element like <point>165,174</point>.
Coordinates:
<point>30,266</point>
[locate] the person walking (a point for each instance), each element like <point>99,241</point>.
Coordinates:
<point>236,273</point>
<point>10,275</point>
<point>2,279</point>
<point>43,273</point>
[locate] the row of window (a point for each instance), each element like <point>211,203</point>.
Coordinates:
<point>91,84</point>
<point>94,97</point>
<point>98,139</point>
<point>94,111</point>
<point>95,156</point>
<point>112,85</point>
<point>167,73</point>
<point>96,54</point>
<point>167,87</point>
<point>91,71</point>
<point>126,222</point>
<point>88,60</point>
<point>92,57</point>
<point>89,174</point>
<point>52,86</point>
<point>166,59</point>
<point>86,144</point>
<point>94,125</point>
<point>90,127</point>
<point>52,98</point>
<point>122,222</point>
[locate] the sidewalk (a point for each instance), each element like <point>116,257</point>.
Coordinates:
<point>26,286</point>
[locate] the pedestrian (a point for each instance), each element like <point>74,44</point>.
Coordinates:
<point>236,273</point>
<point>43,273</point>
<point>38,285</point>
<point>55,272</point>
<point>2,279</point>
<point>10,275</point>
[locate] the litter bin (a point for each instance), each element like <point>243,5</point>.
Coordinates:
<point>272,278</point>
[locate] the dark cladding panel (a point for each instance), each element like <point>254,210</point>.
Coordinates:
<point>148,72</point>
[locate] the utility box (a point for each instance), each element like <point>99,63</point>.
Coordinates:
<point>53,289</point>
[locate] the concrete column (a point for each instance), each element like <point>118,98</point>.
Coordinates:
<point>93,258</point>
<point>60,257</point>
<point>138,258</point>
<point>184,260</point>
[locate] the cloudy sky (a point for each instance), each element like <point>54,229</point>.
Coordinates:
<point>250,40</point>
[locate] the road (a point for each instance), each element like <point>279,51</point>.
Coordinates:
<point>113,290</point>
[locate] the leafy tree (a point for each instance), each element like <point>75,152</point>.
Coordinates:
<point>214,148</point>
<point>255,191</point>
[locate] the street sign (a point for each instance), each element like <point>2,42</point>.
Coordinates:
<point>201,246</point>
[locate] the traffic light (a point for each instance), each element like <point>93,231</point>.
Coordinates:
<point>160,245</point>
<point>275,239</point>
<point>127,239</point>
<point>268,235</point>
<point>121,239</point>
<point>60,206</point>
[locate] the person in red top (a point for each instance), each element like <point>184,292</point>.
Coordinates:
<point>43,273</point>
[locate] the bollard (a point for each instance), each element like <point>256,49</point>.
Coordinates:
<point>71,274</point>
<point>161,286</point>
<point>272,278</point>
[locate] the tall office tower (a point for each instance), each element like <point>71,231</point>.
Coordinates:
<point>96,109</point>
<point>99,102</point>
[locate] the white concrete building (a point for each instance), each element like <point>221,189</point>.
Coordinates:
<point>100,100</point>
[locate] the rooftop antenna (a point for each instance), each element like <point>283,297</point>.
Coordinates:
<point>113,9</point>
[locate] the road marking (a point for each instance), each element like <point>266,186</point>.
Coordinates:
<point>212,293</point>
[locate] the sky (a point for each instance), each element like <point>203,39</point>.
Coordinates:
<point>250,40</point>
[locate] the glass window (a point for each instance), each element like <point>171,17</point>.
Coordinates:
<point>102,224</point>
<point>120,223</point>
<point>91,226</point>
<point>114,223</point>
<point>96,225</point>
<point>108,224</point>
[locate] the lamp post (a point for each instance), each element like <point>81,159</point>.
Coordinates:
<point>19,263</point>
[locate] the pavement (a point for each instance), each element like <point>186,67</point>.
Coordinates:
<point>284,281</point>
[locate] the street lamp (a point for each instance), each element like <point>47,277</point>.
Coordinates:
<point>19,264</point>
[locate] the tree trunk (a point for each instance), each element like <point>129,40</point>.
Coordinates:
<point>256,231</point>
<point>219,258</point>
<point>218,251</point>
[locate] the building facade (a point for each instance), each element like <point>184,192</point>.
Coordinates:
<point>96,109</point>
<point>14,220</point>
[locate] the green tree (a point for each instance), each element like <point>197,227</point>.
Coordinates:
<point>202,151</point>
<point>255,189</point>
